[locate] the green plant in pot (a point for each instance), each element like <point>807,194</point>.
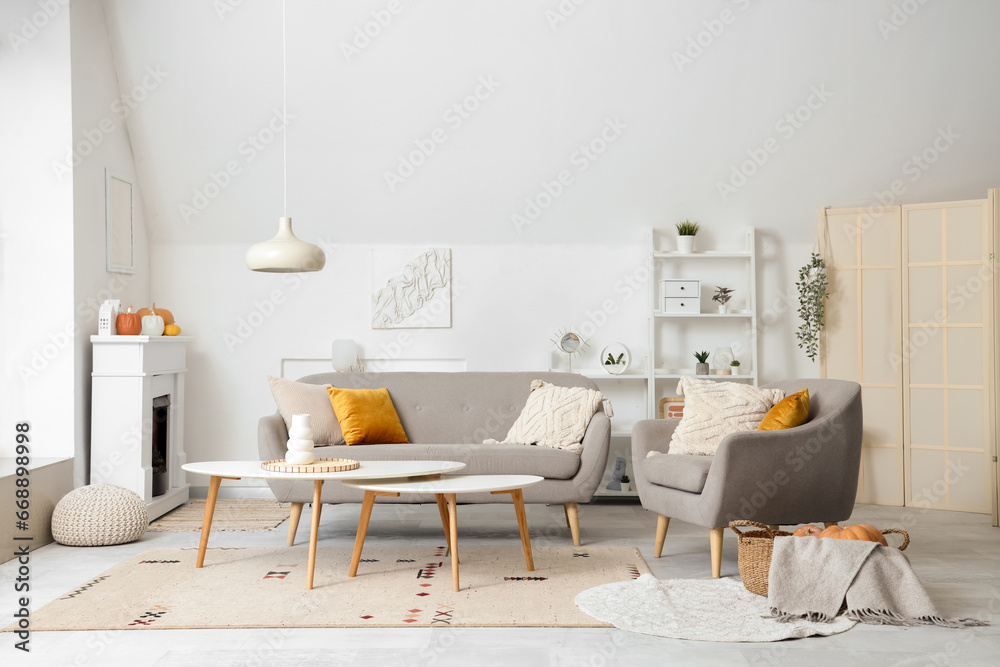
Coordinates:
<point>701,368</point>
<point>814,290</point>
<point>617,364</point>
<point>626,483</point>
<point>686,232</point>
<point>735,366</point>
<point>722,296</point>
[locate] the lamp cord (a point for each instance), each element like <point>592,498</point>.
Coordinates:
<point>284,112</point>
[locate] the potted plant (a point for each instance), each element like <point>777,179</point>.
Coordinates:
<point>626,483</point>
<point>735,364</point>
<point>686,232</point>
<point>615,365</point>
<point>701,368</point>
<point>722,296</point>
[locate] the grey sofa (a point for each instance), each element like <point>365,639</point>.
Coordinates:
<point>447,416</point>
<point>804,474</point>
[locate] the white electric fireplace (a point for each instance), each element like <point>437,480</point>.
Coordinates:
<point>137,417</point>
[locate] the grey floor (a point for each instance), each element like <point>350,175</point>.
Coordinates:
<point>956,555</point>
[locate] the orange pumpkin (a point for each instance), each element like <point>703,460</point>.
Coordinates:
<point>808,530</point>
<point>168,317</point>
<point>128,323</point>
<point>860,531</point>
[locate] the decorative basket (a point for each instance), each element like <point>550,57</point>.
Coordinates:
<point>754,554</point>
<point>319,465</point>
<point>755,547</point>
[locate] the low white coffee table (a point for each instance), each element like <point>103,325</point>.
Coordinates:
<point>445,489</point>
<point>220,470</point>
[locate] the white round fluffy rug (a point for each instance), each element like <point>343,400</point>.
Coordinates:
<point>714,610</point>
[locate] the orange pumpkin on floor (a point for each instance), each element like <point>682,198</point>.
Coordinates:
<point>808,530</point>
<point>860,531</point>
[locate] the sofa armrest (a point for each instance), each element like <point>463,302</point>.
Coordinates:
<point>272,437</point>
<point>596,443</point>
<point>651,435</point>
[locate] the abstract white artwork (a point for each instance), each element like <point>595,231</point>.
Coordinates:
<point>411,289</point>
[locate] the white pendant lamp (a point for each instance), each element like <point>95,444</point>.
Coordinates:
<point>285,253</point>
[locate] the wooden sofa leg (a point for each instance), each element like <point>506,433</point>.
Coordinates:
<point>293,522</point>
<point>716,539</point>
<point>774,527</point>
<point>573,519</point>
<point>662,523</point>
<point>827,524</point>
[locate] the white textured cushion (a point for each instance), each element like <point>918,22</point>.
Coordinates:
<point>302,398</point>
<point>713,410</point>
<point>555,417</point>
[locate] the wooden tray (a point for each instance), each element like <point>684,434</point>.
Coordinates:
<point>319,465</point>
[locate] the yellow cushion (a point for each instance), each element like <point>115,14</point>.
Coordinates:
<point>367,416</point>
<point>789,412</point>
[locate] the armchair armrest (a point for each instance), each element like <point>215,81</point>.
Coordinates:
<point>807,473</point>
<point>272,437</point>
<point>596,443</point>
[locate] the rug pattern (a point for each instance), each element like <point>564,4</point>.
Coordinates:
<point>260,587</point>
<point>230,514</point>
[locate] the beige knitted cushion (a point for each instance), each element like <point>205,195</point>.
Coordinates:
<point>713,410</point>
<point>99,516</point>
<point>555,417</point>
<point>296,398</point>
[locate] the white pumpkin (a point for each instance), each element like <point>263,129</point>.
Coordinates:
<point>152,325</point>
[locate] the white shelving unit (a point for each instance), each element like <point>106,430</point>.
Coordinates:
<point>736,329</point>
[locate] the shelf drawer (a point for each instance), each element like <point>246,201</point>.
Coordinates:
<point>682,304</point>
<point>680,288</point>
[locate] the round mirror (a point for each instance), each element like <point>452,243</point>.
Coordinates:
<point>570,343</point>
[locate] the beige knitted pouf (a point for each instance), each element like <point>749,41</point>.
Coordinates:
<point>98,516</point>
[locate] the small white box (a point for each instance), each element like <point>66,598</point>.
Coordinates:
<point>681,304</point>
<point>680,288</point>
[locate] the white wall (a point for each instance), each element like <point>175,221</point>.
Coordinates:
<point>36,230</point>
<point>879,97</point>
<point>100,110</point>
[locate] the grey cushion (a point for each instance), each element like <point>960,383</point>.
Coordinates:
<point>686,472</point>
<point>479,459</point>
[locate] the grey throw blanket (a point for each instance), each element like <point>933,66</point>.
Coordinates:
<point>811,578</point>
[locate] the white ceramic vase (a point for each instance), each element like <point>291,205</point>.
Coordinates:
<point>300,441</point>
<point>685,244</point>
<point>723,308</point>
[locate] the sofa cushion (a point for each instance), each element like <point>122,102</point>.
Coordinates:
<point>554,417</point>
<point>303,398</point>
<point>479,459</point>
<point>366,416</point>
<point>685,472</point>
<point>713,410</point>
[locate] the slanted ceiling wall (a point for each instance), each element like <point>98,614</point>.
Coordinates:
<point>538,140</point>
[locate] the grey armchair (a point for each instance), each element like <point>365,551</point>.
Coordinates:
<point>808,473</point>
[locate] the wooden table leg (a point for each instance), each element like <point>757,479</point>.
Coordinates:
<point>359,540</point>
<point>522,524</point>
<point>206,524</point>
<point>293,522</point>
<point>314,533</point>
<point>443,510</point>
<point>453,529</point>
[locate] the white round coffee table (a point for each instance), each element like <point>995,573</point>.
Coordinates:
<point>220,470</point>
<point>445,489</point>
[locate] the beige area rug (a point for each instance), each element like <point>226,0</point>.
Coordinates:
<point>264,587</point>
<point>230,514</point>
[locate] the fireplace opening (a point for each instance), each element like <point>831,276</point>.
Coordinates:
<point>161,415</point>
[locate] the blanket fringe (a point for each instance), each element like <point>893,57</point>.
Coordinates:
<point>809,617</point>
<point>888,617</point>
